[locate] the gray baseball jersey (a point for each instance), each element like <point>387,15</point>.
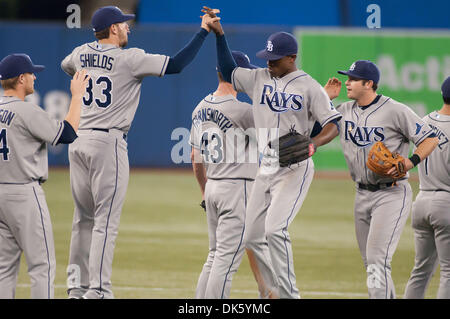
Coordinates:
<point>434,171</point>
<point>214,120</point>
<point>26,128</point>
<point>25,224</point>
<point>219,125</point>
<point>382,211</point>
<point>99,168</point>
<point>388,121</point>
<point>430,215</point>
<point>112,96</point>
<point>295,100</point>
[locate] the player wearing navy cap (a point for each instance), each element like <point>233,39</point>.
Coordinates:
<point>106,16</point>
<point>430,212</point>
<point>382,204</point>
<point>225,182</point>
<point>284,98</point>
<point>25,130</point>
<point>99,169</point>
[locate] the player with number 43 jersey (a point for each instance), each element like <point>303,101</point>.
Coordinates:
<point>99,168</point>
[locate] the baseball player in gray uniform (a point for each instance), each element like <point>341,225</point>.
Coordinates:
<point>430,212</point>
<point>99,168</point>
<point>228,181</point>
<point>381,206</point>
<point>25,130</point>
<point>284,98</point>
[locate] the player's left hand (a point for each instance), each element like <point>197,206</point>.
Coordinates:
<point>203,205</point>
<point>333,88</point>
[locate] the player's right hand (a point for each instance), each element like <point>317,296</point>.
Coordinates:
<point>210,21</point>
<point>211,12</point>
<point>79,82</point>
<point>333,88</point>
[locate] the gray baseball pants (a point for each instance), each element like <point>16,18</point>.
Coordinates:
<point>274,202</point>
<point>380,217</point>
<point>99,173</point>
<point>431,224</point>
<point>25,226</point>
<point>226,202</point>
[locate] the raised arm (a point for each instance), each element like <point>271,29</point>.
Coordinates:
<point>185,56</point>
<point>224,57</point>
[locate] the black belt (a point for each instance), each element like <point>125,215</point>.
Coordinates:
<point>107,131</point>
<point>375,187</point>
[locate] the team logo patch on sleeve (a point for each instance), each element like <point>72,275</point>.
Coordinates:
<point>418,128</point>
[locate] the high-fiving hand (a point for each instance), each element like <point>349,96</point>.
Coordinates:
<point>210,21</point>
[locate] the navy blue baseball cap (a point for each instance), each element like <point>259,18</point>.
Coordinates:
<point>446,88</point>
<point>241,59</point>
<point>16,64</point>
<point>278,45</point>
<point>106,16</point>
<point>363,69</point>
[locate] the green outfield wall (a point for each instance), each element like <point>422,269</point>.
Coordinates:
<point>413,66</point>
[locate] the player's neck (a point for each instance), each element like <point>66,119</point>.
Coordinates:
<point>445,110</point>
<point>225,88</point>
<point>289,71</point>
<point>366,99</point>
<point>20,94</point>
<point>112,41</point>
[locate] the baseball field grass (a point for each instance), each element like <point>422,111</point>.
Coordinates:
<point>163,241</point>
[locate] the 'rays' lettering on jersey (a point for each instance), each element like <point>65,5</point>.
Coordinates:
<point>443,139</point>
<point>6,117</point>
<point>280,101</point>
<point>364,135</point>
<point>213,115</point>
<point>95,60</point>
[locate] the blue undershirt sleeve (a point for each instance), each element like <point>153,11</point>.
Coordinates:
<point>317,128</point>
<point>185,56</point>
<point>224,58</point>
<point>68,134</point>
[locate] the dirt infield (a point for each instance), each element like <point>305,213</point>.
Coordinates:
<point>322,174</point>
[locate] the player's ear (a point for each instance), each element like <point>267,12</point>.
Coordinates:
<point>113,29</point>
<point>368,84</point>
<point>21,78</point>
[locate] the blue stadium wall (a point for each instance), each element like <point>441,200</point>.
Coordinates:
<point>351,13</point>
<point>166,103</point>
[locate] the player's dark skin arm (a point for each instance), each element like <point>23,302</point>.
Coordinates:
<point>328,133</point>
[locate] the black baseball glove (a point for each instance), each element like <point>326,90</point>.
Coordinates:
<point>293,148</point>
<point>203,205</point>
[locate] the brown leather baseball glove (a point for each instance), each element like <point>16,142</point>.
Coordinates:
<point>381,160</point>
